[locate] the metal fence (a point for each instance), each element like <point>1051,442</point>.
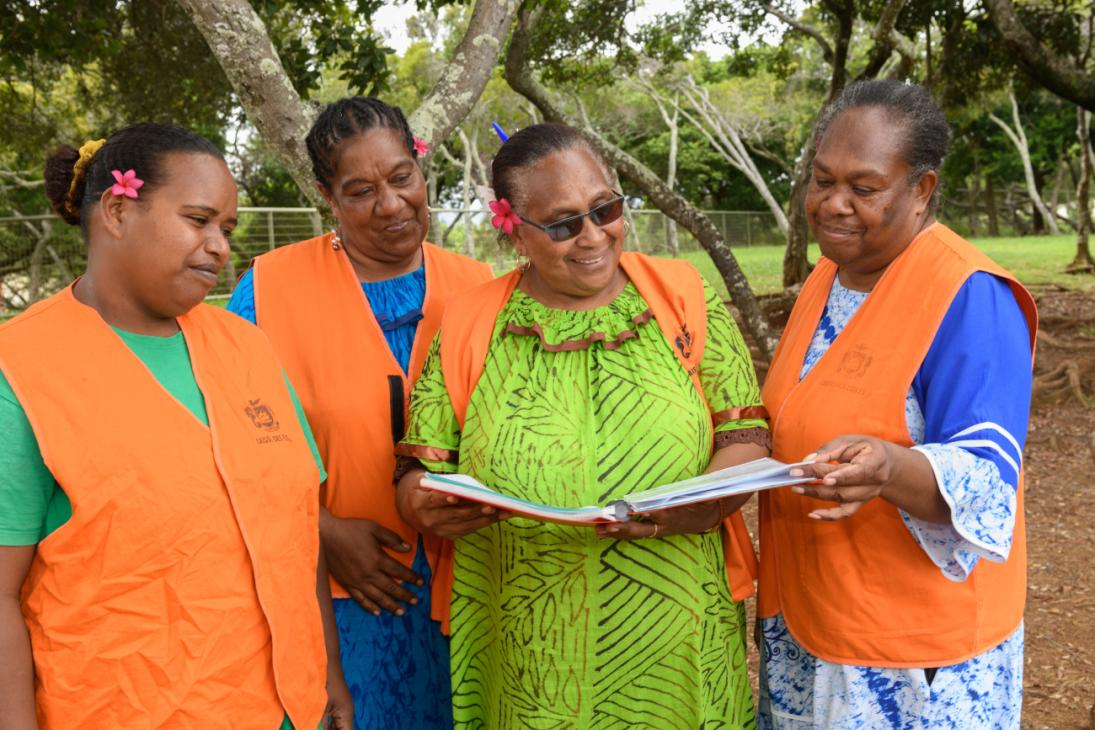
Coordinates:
<point>40,254</point>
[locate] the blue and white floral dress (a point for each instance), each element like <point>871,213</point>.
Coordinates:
<point>967,411</point>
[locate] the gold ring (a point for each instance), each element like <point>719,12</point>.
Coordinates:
<point>655,533</point>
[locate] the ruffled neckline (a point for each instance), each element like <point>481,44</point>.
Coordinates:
<point>562,330</point>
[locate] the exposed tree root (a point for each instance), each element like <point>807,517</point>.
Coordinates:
<point>1065,379</point>
<point>1077,344</point>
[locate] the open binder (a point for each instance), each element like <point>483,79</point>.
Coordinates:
<point>751,476</point>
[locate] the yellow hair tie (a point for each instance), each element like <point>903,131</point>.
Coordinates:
<point>87,151</point>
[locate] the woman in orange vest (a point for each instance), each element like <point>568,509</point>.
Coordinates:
<point>158,481</point>
<point>904,373</point>
<point>351,314</point>
<point>584,375</point>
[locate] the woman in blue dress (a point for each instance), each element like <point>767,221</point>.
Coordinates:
<point>344,312</point>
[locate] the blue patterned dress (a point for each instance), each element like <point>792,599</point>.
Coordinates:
<point>397,667</point>
<point>967,412</point>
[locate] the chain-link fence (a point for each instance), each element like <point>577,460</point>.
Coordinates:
<point>39,254</point>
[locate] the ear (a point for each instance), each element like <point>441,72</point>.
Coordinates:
<point>112,212</point>
<point>519,245</point>
<point>327,196</point>
<point>924,189</point>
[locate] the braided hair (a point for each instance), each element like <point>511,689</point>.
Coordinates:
<point>346,118</point>
<point>73,185</point>
<point>927,135</point>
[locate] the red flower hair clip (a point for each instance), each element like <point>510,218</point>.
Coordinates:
<point>504,217</point>
<point>420,146</point>
<point>125,184</point>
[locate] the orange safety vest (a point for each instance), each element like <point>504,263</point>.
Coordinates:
<point>309,302</point>
<point>861,591</point>
<point>182,591</point>
<point>674,291</point>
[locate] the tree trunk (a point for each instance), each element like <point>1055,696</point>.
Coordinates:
<point>34,290</point>
<point>1083,261</point>
<point>437,231</point>
<point>238,38</point>
<point>671,179</point>
<point>990,208</point>
<point>1018,138</point>
<point>672,121</point>
<point>469,239</point>
<point>975,189</point>
<point>519,76</point>
<point>796,265</point>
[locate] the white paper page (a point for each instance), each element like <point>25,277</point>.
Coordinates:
<point>462,485</point>
<point>749,477</point>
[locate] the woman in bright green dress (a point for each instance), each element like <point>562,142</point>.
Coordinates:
<point>582,400</point>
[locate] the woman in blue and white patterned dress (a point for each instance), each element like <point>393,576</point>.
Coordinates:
<point>966,413</point>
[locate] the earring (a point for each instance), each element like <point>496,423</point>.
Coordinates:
<point>336,242</point>
<point>525,265</point>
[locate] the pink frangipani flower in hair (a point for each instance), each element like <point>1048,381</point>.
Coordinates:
<point>504,217</point>
<point>125,184</point>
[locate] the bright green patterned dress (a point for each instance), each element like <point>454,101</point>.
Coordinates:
<point>551,626</point>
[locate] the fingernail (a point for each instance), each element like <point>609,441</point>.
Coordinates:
<point>613,529</point>
<point>812,516</point>
<point>414,601</point>
<point>404,546</point>
<point>796,472</point>
<point>810,457</point>
<point>798,490</point>
<point>399,612</point>
<point>451,500</point>
<point>376,613</point>
<point>488,510</point>
<point>419,582</point>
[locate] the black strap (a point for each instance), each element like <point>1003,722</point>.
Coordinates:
<point>395,407</point>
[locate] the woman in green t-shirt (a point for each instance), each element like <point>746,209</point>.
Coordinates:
<point>156,204</point>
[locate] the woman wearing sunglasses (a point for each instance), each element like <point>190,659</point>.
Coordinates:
<point>583,375</point>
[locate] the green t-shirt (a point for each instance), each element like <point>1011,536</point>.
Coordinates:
<point>32,504</point>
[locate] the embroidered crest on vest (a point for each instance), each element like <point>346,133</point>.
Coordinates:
<point>261,415</point>
<point>855,362</point>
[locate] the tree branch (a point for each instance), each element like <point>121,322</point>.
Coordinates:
<point>817,35</point>
<point>1048,69</point>
<point>887,40</point>
<point>466,74</point>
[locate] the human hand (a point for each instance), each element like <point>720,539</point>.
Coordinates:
<point>339,714</point>
<point>357,560</point>
<point>864,467</point>
<point>442,515</point>
<point>686,519</point>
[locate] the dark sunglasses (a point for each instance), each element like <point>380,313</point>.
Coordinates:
<point>570,227</point>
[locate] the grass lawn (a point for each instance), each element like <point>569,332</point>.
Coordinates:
<point>1036,260</point>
